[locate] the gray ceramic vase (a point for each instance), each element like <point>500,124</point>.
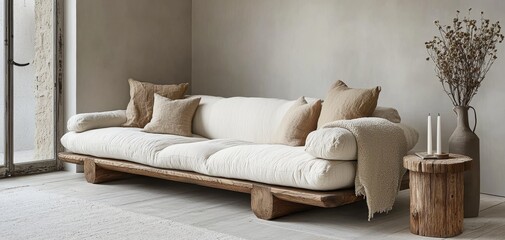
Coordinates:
<point>464,141</point>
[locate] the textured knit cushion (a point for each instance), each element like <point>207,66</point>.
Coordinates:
<point>172,116</point>
<point>140,107</point>
<point>344,103</point>
<point>298,122</point>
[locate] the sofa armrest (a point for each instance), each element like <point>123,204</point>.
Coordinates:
<point>87,121</point>
<point>340,144</point>
<point>332,144</point>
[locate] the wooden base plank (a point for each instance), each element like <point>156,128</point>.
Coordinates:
<point>175,175</point>
<point>96,174</point>
<point>267,206</point>
<point>277,200</point>
<point>71,158</point>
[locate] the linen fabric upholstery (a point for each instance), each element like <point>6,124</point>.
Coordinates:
<point>340,144</point>
<point>140,108</point>
<point>86,121</point>
<point>332,144</point>
<point>344,103</point>
<point>243,118</point>
<point>193,156</point>
<point>131,144</point>
<point>298,122</point>
<point>172,116</point>
<point>281,165</point>
<point>268,163</point>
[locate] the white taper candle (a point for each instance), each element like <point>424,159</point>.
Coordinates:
<point>439,135</point>
<point>430,137</point>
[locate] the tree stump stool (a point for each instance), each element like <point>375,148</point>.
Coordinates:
<point>436,195</point>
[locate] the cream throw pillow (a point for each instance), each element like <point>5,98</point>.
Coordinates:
<point>172,116</point>
<point>140,107</point>
<point>298,122</point>
<point>343,103</point>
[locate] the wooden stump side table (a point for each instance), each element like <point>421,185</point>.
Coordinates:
<point>436,195</point>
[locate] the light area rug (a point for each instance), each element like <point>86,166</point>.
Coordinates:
<point>28,213</point>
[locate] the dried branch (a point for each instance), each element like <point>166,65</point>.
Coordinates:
<point>463,54</point>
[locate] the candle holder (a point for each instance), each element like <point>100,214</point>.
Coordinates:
<point>425,155</point>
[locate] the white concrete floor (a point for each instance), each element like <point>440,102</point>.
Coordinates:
<point>229,212</point>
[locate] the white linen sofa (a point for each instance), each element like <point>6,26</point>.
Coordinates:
<point>231,141</point>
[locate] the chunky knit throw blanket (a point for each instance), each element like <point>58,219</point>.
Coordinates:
<point>381,147</point>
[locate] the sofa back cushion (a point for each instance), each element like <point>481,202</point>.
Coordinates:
<point>242,118</point>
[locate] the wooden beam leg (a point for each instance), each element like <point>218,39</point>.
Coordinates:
<point>96,174</point>
<point>266,206</point>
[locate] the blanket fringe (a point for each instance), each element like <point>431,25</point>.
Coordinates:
<point>370,213</point>
<point>362,192</point>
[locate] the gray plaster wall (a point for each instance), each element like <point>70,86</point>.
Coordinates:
<point>44,80</point>
<point>120,39</point>
<point>108,41</point>
<point>290,48</point>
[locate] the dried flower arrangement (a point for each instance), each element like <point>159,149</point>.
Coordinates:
<point>463,54</point>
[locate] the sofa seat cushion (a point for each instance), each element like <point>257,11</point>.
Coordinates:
<point>265,163</point>
<point>130,144</point>
<point>192,156</point>
<point>281,165</point>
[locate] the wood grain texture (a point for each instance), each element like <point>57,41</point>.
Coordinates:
<point>175,175</point>
<point>96,174</point>
<point>99,170</point>
<point>328,199</point>
<point>71,158</point>
<point>267,206</point>
<point>455,163</point>
<point>436,197</point>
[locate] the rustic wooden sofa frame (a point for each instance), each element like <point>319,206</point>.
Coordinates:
<point>267,201</point>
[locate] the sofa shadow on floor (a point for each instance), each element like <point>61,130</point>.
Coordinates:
<point>320,221</point>
<point>347,215</point>
<point>191,192</point>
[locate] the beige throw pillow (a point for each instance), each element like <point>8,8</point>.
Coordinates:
<point>140,107</point>
<point>388,113</point>
<point>343,103</point>
<point>298,122</point>
<point>172,116</point>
